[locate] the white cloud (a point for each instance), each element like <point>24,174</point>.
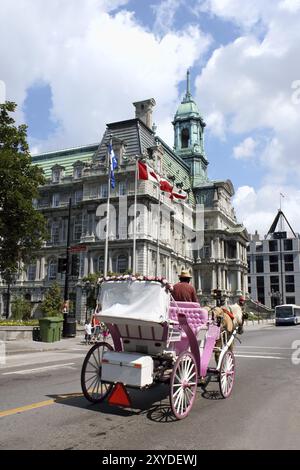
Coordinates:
<point>165,12</point>
<point>249,82</point>
<point>258,208</point>
<point>96,63</point>
<point>290,5</point>
<point>245,14</point>
<point>216,124</point>
<point>246,149</point>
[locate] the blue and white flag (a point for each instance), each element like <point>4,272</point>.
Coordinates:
<point>113,162</point>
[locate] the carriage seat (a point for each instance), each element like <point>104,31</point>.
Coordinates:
<point>196,316</point>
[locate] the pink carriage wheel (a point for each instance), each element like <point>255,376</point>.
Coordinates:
<point>227,374</point>
<point>92,386</point>
<point>183,385</point>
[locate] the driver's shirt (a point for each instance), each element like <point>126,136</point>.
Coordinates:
<point>184,292</point>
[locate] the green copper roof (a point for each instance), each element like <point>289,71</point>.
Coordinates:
<point>65,158</point>
<point>187,108</point>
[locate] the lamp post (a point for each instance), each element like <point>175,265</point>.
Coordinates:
<point>86,289</point>
<point>11,280</point>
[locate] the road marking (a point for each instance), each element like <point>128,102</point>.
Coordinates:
<point>26,408</point>
<point>260,352</point>
<point>260,357</point>
<point>262,347</point>
<point>40,369</point>
<point>41,404</point>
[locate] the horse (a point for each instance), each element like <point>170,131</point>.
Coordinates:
<point>230,318</point>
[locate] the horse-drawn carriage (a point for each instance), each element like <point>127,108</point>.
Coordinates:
<point>155,339</point>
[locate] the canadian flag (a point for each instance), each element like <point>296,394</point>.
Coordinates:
<point>165,186</point>
<point>178,196</point>
<point>145,172</point>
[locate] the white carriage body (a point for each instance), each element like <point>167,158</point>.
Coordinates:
<point>134,302</point>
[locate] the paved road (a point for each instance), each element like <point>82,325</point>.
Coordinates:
<point>262,413</point>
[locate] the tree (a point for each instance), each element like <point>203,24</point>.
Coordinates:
<point>52,304</point>
<point>22,228</point>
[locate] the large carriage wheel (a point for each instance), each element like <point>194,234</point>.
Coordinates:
<point>227,374</point>
<point>92,386</point>
<point>183,385</point>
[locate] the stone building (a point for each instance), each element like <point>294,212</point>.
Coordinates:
<point>81,174</point>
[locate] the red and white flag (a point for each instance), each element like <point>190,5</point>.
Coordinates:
<point>145,172</point>
<point>165,185</point>
<point>177,196</point>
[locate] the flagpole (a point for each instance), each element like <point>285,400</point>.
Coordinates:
<point>158,236</point>
<point>107,214</point>
<point>134,220</point>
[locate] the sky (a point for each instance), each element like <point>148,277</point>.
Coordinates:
<point>74,66</point>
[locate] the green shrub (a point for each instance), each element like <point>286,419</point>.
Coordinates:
<point>20,309</point>
<point>19,323</point>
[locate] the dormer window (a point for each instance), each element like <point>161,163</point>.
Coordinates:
<point>57,173</point>
<point>78,170</point>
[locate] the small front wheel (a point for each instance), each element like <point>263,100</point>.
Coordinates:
<point>183,386</point>
<point>92,386</point>
<point>227,374</point>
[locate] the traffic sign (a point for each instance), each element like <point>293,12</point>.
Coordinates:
<point>78,248</point>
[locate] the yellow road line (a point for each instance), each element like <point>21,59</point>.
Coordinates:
<point>40,404</point>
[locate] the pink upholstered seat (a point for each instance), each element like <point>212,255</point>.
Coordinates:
<point>196,316</point>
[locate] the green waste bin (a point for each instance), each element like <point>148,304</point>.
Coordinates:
<point>50,329</point>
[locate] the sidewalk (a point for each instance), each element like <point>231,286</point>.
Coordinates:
<point>27,346</point>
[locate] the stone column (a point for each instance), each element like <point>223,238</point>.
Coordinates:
<point>91,263</point>
<point>224,280</point>
<point>85,264</point>
<point>213,278</point>
<point>199,281</point>
<point>239,282</point>
<point>218,248</point>
<point>220,286</point>
<point>37,270</point>
<point>246,286</point>
<point>212,255</point>
<point>42,268</point>
<point>237,250</point>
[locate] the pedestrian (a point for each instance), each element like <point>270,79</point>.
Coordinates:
<point>183,291</point>
<point>88,331</point>
<point>96,321</point>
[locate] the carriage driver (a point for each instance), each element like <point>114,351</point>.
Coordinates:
<point>183,291</point>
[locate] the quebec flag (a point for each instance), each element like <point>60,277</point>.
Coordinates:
<point>113,165</point>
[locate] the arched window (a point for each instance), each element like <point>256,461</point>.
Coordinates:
<point>120,264</point>
<point>52,270</point>
<point>185,137</point>
<point>31,272</point>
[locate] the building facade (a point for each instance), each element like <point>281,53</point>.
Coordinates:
<point>80,174</point>
<point>274,265</point>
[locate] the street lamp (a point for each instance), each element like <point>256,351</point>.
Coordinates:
<point>12,278</point>
<point>86,289</point>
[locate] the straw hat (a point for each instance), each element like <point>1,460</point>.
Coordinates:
<point>185,274</point>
